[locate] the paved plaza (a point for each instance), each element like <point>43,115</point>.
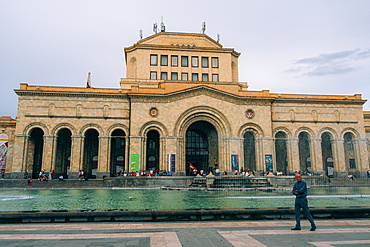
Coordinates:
<point>344,233</point>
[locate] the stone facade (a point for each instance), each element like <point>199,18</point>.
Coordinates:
<point>207,121</point>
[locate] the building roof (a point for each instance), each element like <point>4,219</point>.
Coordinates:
<point>180,41</point>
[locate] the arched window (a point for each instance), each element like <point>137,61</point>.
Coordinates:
<point>250,151</point>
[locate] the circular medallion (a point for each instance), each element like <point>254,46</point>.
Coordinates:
<point>153,112</point>
<point>249,113</point>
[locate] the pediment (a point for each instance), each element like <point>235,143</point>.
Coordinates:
<point>202,90</point>
<point>181,40</point>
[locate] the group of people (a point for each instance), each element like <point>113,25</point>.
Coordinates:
<point>151,172</point>
<point>82,175</point>
<point>45,176</point>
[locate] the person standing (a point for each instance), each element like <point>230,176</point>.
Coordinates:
<point>300,191</point>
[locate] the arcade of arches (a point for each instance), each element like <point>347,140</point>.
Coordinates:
<point>202,150</point>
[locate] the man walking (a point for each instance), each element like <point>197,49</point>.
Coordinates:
<point>300,191</point>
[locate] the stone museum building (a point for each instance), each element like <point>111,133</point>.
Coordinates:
<point>182,103</point>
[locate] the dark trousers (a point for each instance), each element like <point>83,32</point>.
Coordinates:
<point>302,203</point>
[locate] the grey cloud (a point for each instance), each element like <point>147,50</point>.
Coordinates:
<point>329,70</point>
<point>362,55</point>
<point>326,58</point>
<point>336,63</point>
<point>293,70</point>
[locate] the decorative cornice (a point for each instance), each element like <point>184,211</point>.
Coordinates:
<point>320,101</point>
<point>69,94</point>
<point>196,91</point>
<point>311,121</point>
<point>78,117</point>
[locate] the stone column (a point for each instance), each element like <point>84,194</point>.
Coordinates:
<point>339,158</point>
<point>181,156</point>
<point>47,152</point>
<point>103,157</point>
<point>143,157</point>
<point>225,156</point>
<point>363,162</point>
<point>55,140</point>
<point>171,147</point>
<point>241,152</point>
<point>266,147</point>
<point>294,164</point>
<point>109,147</point>
<point>136,148</point>
<point>235,149</point>
<point>162,154</point>
<point>127,159</point>
<point>20,154</point>
<point>76,156</point>
<point>317,165</point>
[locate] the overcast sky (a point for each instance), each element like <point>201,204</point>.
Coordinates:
<point>306,47</point>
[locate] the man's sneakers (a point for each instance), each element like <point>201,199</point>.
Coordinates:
<point>313,228</point>
<point>296,229</point>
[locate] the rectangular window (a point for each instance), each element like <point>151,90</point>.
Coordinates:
<point>153,75</point>
<point>184,61</point>
<point>174,61</point>
<point>215,77</point>
<point>164,60</point>
<point>204,62</point>
<point>194,61</point>
<point>195,77</point>
<point>352,164</point>
<point>153,60</point>
<point>204,77</point>
<point>215,62</point>
<point>184,76</point>
<point>174,76</point>
<point>163,75</point>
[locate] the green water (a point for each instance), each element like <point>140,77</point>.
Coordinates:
<point>131,199</point>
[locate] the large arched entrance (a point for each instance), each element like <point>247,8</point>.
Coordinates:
<point>201,148</point>
<point>250,151</point>
<point>91,149</point>
<point>327,154</point>
<point>304,152</point>
<point>35,150</point>
<point>349,151</point>
<point>63,152</point>
<point>152,150</point>
<point>281,152</point>
<point>117,152</point>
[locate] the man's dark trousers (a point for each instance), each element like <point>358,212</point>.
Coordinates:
<point>302,203</point>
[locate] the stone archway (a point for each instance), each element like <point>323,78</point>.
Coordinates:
<point>281,152</point>
<point>35,151</point>
<point>304,152</point>
<point>152,150</point>
<point>90,155</point>
<point>214,118</point>
<point>63,152</point>
<point>201,147</point>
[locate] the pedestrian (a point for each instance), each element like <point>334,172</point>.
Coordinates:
<point>52,174</point>
<point>29,181</point>
<point>2,174</point>
<point>300,191</point>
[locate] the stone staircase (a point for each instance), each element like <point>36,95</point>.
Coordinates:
<point>240,182</point>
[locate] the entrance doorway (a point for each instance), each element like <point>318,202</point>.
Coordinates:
<point>91,148</point>
<point>35,150</point>
<point>281,152</point>
<point>152,150</point>
<point>63,152</point>
<point>201,149</point>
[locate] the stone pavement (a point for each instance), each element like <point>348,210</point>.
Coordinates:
<point>339,233</point>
